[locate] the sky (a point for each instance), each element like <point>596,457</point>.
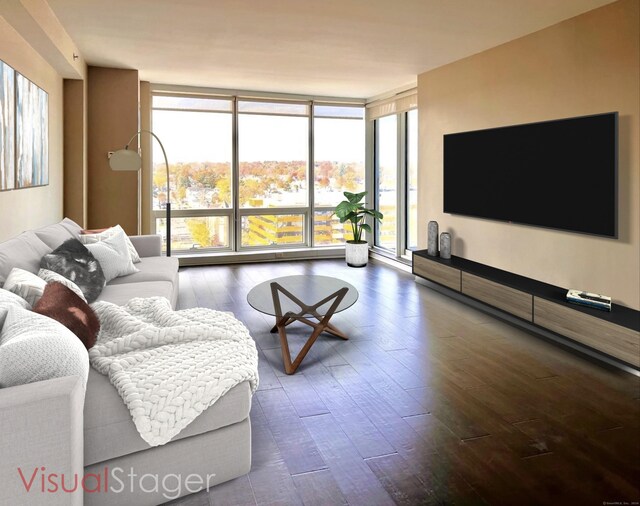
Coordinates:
<point>201,136</point>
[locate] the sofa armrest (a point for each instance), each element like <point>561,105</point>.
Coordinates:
<point>41,425</point>
<point>147,245</point>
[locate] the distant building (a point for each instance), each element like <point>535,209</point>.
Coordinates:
<point>328,230</point>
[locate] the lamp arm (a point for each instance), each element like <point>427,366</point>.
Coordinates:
<point>164,153</point>
<point>166,163</point>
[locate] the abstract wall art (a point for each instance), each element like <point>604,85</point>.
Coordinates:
<point>7,127</point>
<point>32,134</point>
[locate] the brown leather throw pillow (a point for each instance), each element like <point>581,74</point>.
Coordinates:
<point>61,304</point>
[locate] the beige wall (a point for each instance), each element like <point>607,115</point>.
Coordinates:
<point>586,65</point>
<point>34,207</point>
<point>113,118</point>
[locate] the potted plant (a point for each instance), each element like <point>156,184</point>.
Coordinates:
<point>354,211</point>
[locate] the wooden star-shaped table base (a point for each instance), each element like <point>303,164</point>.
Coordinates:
<point>306,312</point>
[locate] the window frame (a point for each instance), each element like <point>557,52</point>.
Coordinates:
<point>313,207</point>
<point>408,251</point>
<point>402,250</point>
<point>240,212</point>
<point>235,213</point>
<point>156,214</point>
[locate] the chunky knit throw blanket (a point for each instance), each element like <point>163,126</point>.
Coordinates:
<point>169,366</point>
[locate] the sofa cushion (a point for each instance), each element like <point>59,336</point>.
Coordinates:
<point>34,348</point>
<point>54,235</point>
<point>147,245</point>
<point>152,269</point>
<point>24,251</point>
<point>74,261</point>
<point>71,226</point>
<point>25,284</point>
<point>60,303</point>
<point>109,431</point>
<point>120,294</point>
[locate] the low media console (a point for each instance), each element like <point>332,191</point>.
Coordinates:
<point>615,333</point>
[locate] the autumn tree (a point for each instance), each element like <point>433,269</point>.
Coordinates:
<point>224,191</point>
<point>200,231</point>
<point>159,177</point>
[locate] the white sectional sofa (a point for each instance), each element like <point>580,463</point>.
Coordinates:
<point>53,424</point>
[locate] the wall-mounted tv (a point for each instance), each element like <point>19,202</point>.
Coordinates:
<point>558,174</point>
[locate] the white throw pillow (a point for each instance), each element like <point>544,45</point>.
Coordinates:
<point>25,284</point>
<point>10,298</point>
<point>101,236</point>
<point>50,277</point>
<point>113,255</point>
<point>34,347</point>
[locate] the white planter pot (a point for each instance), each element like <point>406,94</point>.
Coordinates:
<point>357,253</point>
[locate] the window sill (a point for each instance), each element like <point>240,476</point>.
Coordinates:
<point>386,257</point>
<point>229,257</point>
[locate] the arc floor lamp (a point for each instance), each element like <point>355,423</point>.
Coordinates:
<point>128,159</point>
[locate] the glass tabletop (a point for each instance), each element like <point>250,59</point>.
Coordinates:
<point>309,289</point>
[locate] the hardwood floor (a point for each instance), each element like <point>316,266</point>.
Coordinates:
<point>429,402</point>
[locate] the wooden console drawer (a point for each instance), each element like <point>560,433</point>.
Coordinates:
<point>434,271</point>
<point>503,297</point>
<point>615,340</point>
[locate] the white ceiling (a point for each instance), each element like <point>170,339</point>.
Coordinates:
<point>342,48</point>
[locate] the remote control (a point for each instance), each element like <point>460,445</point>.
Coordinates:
<point>591,297</point>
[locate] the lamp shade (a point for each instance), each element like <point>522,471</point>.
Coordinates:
<point>125,159</point>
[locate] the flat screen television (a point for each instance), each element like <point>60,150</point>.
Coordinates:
<point>558,174</point>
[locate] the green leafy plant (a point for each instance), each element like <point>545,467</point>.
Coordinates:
<point>354,210</point>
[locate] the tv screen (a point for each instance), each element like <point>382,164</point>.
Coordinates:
<point>558,174</point>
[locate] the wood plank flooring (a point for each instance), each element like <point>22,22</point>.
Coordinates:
<point>429,402</point>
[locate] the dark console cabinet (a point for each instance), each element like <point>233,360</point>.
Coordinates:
<point>615,333</point>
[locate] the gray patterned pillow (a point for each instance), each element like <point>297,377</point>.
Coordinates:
<point>75,262</point>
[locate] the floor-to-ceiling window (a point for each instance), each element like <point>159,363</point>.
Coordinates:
<point>395,175</point>
<point>339,153</point>
<point>251,173</point>
<point>386,179</point>
<point>197,135</point>
<point>273,155</point>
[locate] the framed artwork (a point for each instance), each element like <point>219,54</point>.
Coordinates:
<point>32,134</point>
<point>7,127</point>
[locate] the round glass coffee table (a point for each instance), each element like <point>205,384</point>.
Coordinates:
<point>283,298</point>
